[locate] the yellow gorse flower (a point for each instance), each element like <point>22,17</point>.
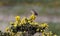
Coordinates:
<point>32,17</point>
<point>15,23</point>
<point>23,21</point>
<point>44,25</point>
<point>34,23</point>
<point>17,18</point>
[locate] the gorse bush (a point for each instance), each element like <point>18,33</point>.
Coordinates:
<point>21,26</point>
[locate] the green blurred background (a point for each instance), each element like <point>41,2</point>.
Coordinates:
<point>48,10</point>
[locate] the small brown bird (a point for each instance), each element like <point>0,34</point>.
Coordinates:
<point>34,12</point>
